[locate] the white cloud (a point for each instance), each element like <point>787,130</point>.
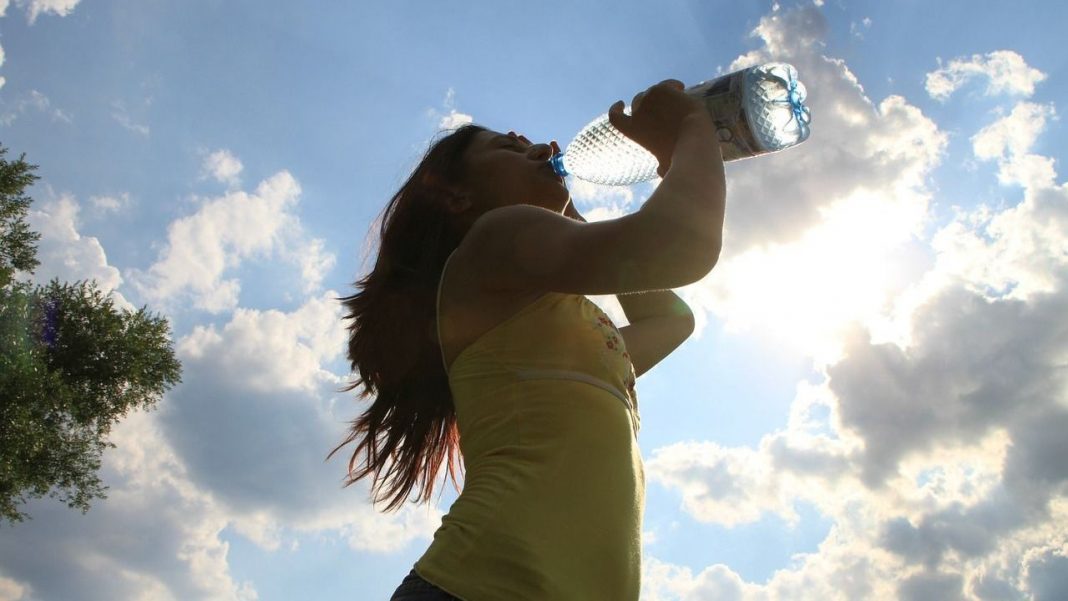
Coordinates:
<point>11,590</point>
<point>1008,141</point>
<point>936,451</point>
<point>454,119</point>
<point>238,446</point>
<point>725,486</point>
<point>943,462</point>
<point>1014,134</point>
<point>451,119</point>
<point>33,100</point>
<point>857,29</point>
<point>270,350</point>
<point>156,536</point>
<point>855,143</point>
<point>203,248</point>
<point>223,166</point>
<point>65,253</point>
<point>257,402</point>
<point>35,8</point>
<point>121,115</point>
<point>314,262</point>
<point>662,581</point>
<point>804,227</point>
<point>111,204</point>
<point>1006,73</point>
<point>607,202</point>
<point>934,447</point>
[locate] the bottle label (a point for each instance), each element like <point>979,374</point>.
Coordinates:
<point>724,99</point>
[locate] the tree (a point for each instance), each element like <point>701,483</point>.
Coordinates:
<point>71,366</point>
<point>18,250</point>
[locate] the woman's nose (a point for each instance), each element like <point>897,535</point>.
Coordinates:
<point>540,152</point>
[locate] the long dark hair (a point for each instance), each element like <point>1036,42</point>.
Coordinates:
<point>392,340</point>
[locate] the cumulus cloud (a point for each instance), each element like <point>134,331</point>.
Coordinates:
<point>223,166</point>
<point>238,446</point>
<point>958,471</point>
<point>597,202</point>
<point>936,451</point>
<point>111,203</point>
<point>314,262</point>
<point>257,388</point>
<point>933,443</point>
<point>11,590</point>
<point>1006,72</point>
<point>855,144</point>
<point>36,8</point>
<point>805,226</point>
<point>202,248</point>
<point>728,486</point>
<point>65,253</point>
<point>1008,141</point>
<point>270,350</point>
<point>452,118</point>
<point>156,536</point>
<point>1047,575</point>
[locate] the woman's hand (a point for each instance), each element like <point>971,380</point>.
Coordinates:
<point>657,115</point>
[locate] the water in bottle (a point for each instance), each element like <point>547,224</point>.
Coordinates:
<point>756,111</point>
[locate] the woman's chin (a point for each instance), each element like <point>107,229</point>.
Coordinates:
<point>558,203</point>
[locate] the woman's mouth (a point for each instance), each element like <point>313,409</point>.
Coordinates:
<point>552,172</point>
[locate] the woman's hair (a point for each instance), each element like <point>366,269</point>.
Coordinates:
<point>411,424</point>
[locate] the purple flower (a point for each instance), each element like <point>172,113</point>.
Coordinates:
<point>49,325</point>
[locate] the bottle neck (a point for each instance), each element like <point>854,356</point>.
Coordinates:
<point>557,161</point>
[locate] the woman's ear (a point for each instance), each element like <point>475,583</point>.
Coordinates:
<point>456,200</point>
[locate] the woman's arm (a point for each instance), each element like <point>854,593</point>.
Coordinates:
<point>659,321</point>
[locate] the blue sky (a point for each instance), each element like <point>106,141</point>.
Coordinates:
<point>873,405</point>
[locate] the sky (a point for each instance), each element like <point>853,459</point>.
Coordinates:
<point>874,403</point>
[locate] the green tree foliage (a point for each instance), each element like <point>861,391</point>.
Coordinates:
<point>18,249</point>
<point>71,366</point>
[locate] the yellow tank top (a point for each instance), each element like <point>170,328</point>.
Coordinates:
<point>554,487</point>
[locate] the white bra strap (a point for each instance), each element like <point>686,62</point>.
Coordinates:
<point>437,311</point>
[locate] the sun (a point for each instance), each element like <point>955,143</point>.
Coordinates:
<point>846,270</point>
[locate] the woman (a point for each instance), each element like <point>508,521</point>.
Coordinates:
<point>473,332</point>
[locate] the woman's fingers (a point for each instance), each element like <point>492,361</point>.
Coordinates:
<point>618,118</point>
<point>674,83</point>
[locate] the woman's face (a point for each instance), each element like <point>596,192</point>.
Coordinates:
<point>506,169</point>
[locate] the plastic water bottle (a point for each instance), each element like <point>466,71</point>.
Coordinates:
<point>756,111</point>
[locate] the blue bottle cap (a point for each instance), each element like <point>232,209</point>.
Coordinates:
<point>557,161</point>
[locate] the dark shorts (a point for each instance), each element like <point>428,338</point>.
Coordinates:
<point>414,588</point>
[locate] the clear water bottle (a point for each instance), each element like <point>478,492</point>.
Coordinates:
<point>756,111</point>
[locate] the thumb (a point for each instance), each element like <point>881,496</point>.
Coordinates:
<point>618,118</point>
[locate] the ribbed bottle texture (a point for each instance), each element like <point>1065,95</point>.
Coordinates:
<point>756,111</point>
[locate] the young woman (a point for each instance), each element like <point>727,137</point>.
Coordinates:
<point>473,333</point>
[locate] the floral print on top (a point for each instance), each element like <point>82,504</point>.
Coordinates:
<point>615,348</point>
